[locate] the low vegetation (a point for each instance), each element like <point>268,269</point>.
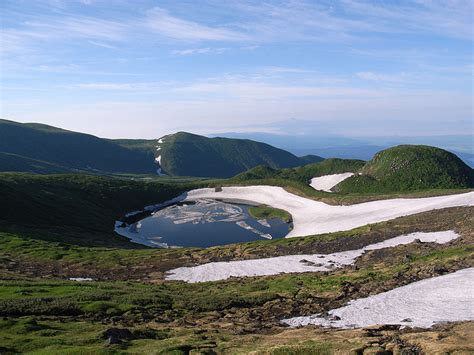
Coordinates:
<point>78,209</point>
<point>267,212</point>
<point>410,168</point>
<point>186,154</point>
<point>56,227</point>
<point>54,315</point>
<point>45,149</point>
<point>302,174</point>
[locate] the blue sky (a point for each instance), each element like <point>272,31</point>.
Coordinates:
<point>146,68</point>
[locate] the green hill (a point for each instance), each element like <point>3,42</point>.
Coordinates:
<point>303,173</point>
<point>14,162</point>
<point>147,146</point>
<point>38,148</point>
<point>186,154</point>
<point>410,167</point>
<point>76,208</point>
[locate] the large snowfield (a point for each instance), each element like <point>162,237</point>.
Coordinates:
<point>314,217</point>
<point>295,263</point>
<point>446,298</point>
<point>327,182</point>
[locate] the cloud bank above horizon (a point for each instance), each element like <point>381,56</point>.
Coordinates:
<point>146,68</point>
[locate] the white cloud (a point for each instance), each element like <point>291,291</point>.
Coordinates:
<point>205,50</point>
<point>267,91</point>
<point>447,18</point>
<point>401,113</point>
<point>383,77</point>
<point>344,21</point>
<point>61,68</point>
<point>77,27</point>
<point>258,86</point>
<point>160,21</point>
<point>276,69</point>
<point>460,69</point>
<point>142,87</point>
<point>102,44</point>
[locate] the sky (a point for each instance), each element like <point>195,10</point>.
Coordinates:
<point>142,68</point>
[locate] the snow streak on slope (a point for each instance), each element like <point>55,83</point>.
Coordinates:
<point>327,182</point>
<point>447,298</point>
<point>159,171</point>
<point>295,263</point>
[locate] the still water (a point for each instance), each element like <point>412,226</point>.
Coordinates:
<point>205,223</point>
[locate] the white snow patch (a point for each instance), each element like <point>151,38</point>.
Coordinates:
<point>134,213</point>
<point>202,212</point>
<point>296,263</point>
<point>81,279</point>
<point>314,217</point>
<point>245,225</point>
<point>132,232</point>
<point>158,206</point>
<point>264,223</point>
<point>447,298</point>
<point>327,182</point>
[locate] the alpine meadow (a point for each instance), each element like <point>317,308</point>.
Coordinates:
<point>236,177</point>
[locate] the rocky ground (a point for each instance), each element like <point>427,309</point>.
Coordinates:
<point>214,317</point>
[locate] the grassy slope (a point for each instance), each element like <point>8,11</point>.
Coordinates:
<point>216,315</point>
<point>70,150</point>
<point>303,173</point>
<point>266,212</point>
<point>52,215</point>
<point>47,149</point>
<point>111,263</point>
<point>76,208</point>
<point>82,209</point>
<point>192,155</point>
<point>409,168</point>
<point>12,162</point>
<point>296,180</point>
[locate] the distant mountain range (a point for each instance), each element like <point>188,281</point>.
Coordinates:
<point>38,148</point>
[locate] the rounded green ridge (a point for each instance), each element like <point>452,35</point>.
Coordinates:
<point>410,167</point>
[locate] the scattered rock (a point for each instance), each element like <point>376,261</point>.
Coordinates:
<point>376,350</point>
<point>113,340</point>
<point>119,334</point>
<point>440,270</point>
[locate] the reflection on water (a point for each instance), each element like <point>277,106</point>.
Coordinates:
<point>204,223</point>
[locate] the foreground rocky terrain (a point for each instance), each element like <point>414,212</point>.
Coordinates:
<point>69,284</point>
<point>236,315</point>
